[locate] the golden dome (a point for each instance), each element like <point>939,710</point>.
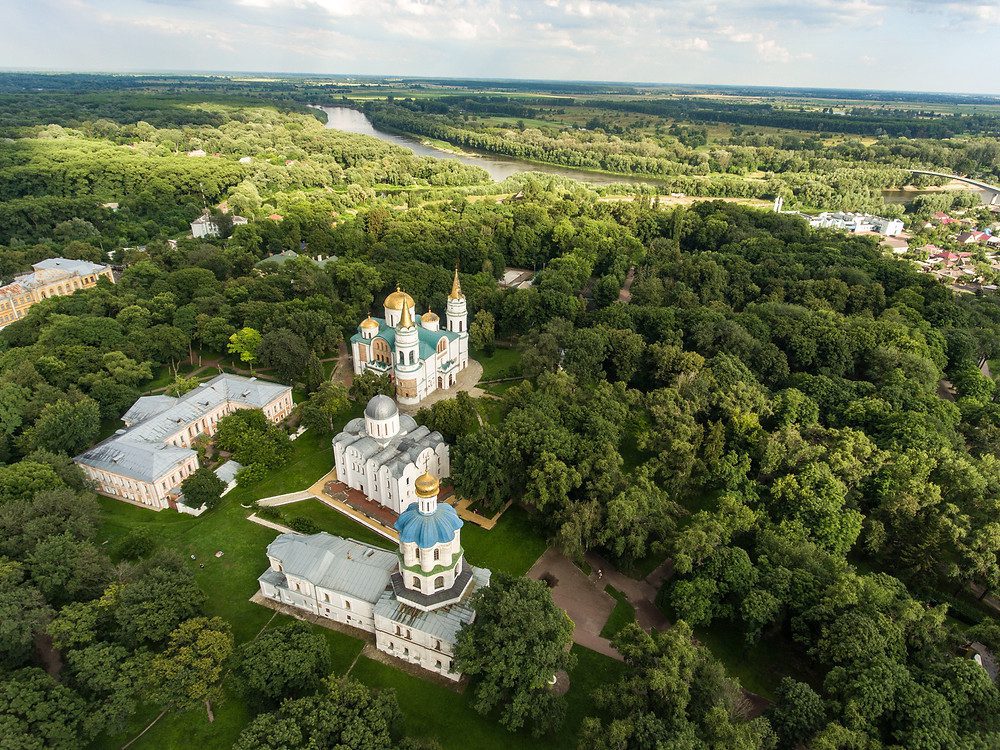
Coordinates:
<point>429,317</point>
<point>456,288</point>
<point>369,323</point>
<point>427,485</point>
<point>398,300</point>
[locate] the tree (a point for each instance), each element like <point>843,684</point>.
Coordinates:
<point>482,331</point>
<point>189,671</point>
<point>345,715</point>
<point>368,385</point>
<point>314,375</point>
<point>245,342</point>
<point>161,594</point>
<point>516,644</point>
<point>23,613</point>
<point>252,439</point>
<point>107,675</point>
<point>13,400</point>
<point>799,713</point>
<point>65,426</point>
<point>320,412</point>
<point>672,694</point>
<point>66,569</point>
<point>203,487</point>
<point>286,662</point>
<point>480,468</point>
<point>37,712</point>
<point>453,417</point>
<point>182,384</point>
<point>22,480</point>
<point>285,352</point>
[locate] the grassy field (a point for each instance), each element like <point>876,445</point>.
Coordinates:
<point>512,546</point>
<point>620,616</point>
<point>759,667</point>
<point>502,363</point>
<point>457,726</point>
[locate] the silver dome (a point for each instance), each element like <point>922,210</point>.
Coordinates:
<point>381,407</point>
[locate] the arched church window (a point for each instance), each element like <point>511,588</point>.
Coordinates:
<point>439,583</point>
<point>437,554</point>
<point>416,582</point>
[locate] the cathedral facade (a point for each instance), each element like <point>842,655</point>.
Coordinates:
<point>413,349</point>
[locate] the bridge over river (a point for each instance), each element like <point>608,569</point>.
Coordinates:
<point>995,201</point>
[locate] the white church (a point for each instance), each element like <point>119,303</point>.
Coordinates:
<point>412,349</point>
<point>415,601</point>
<point>383,453</point>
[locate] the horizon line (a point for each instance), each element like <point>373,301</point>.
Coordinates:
<point>221,73</point>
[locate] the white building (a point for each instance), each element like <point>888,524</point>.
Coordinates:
<point>205,226</point>
<point>415,601</point>
<point>857,223</point>
<point>383,454</point>
<point>412,349</point>
<point>146,462</point>
<point>53,277</point>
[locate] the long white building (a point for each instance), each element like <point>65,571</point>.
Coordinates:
<point>146,461</point>
<point>415,601</point>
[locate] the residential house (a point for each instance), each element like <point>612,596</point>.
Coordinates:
<point>205,226</point>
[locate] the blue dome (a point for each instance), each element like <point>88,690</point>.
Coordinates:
<point>427,530</point>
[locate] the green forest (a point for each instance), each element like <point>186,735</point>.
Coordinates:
<point>795,419</point>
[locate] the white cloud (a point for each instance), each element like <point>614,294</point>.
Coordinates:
<point>830,42</point>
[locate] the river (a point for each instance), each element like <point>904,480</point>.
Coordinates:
<point>498,167</point>
<point>502,167</point>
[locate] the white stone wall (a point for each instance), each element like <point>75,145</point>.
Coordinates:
<point>415,646</point>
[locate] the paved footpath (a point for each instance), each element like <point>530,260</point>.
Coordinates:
<point>587,605</point>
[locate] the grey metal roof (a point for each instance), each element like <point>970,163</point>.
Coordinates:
<point>396,454</point>
<point>139,452</point>
<point>381,407</point>
<point>227,472</point>
<point>144,461</point>
<point>443,623</point>
<point>146,407</point>
<point>332,562</point>
<point>78,267</point>
<point>50,271</point>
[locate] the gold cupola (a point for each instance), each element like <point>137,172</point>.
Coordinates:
<point>427,485</point>
<point>398,300</point>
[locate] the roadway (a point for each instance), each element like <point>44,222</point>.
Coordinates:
<point>968,180</point>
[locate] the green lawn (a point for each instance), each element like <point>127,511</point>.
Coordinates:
<point>512,546</point>
<point>489,410</point>
<point>620,616</point>
<point>231,579</point>
<point>760,667</point>
<point>501,364</point>
<point>436,712</point>
<point>334,522</point>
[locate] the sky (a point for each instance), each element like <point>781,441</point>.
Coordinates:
<point>919,45</point>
